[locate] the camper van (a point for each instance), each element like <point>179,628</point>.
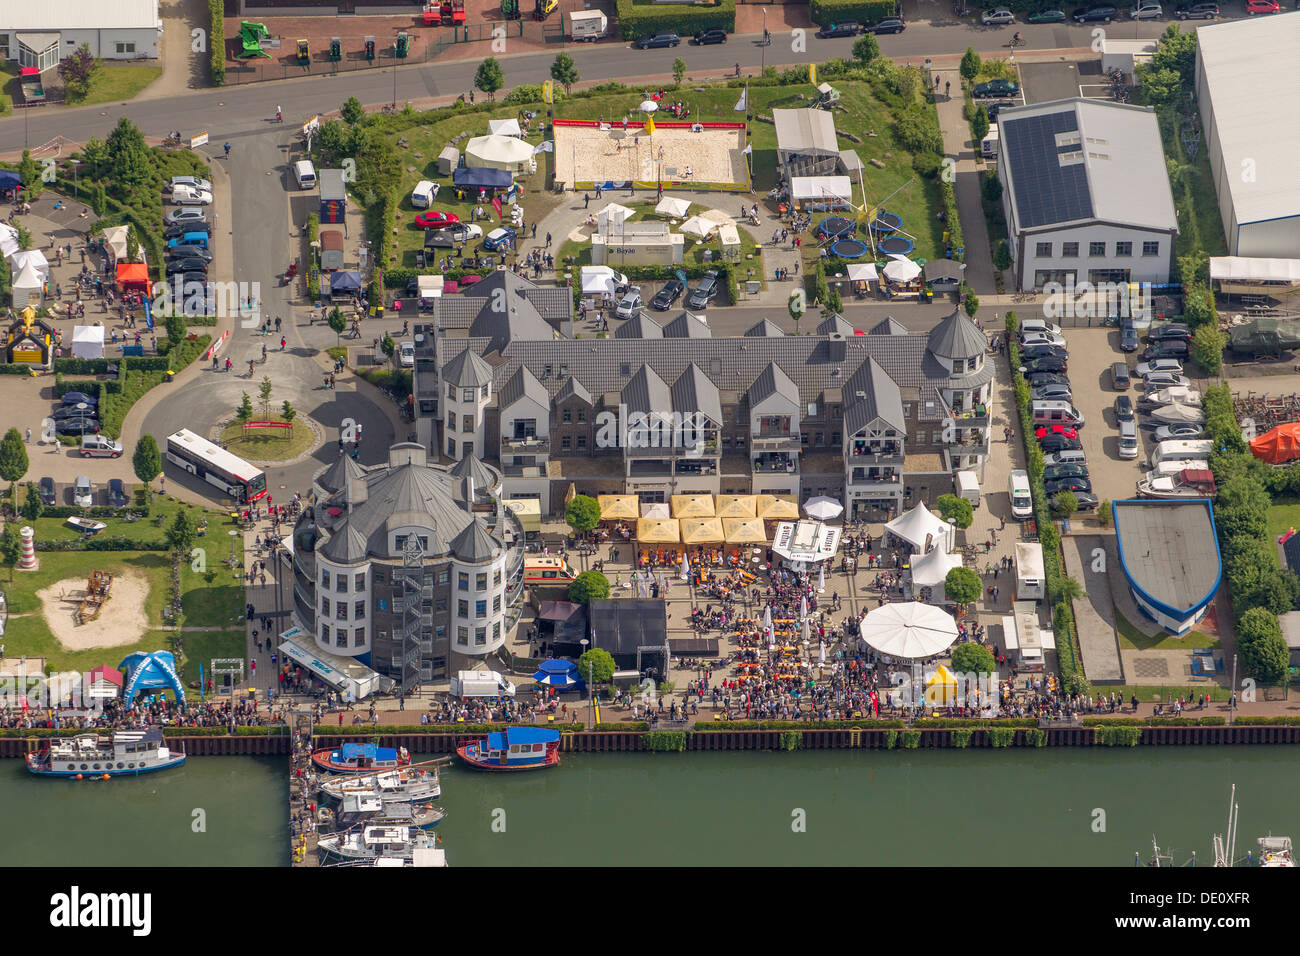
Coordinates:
<point>968,487</point>
<point>305,173</point>
<point>1176,450</point>
<point>989,147</point>
<point>548,571</point>
<point>1022,504</point>
<point>587,25</point>
<point>1057,413</point>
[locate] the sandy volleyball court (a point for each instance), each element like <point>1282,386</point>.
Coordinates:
<point>122,620</point>
<point>586,154</point>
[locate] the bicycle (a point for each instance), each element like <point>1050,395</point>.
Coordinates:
<point>1016,41</point>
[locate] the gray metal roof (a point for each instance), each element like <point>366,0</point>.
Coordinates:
<point>836,323</point>
<point>688,326</point>
<point>639,326</point>
<point>943,269</point>
<point>764,328</point>
<point>467,370</point>
<point>345,546</point>
<point>888,326</point>
<point>879,398</point>
<point>485,479</point>
<point>646,392</point>
<point>572,388</point>
<point>522,383</point>
<point>336,477</point>
<point>772,381</point>
<point>475,543</point>
<point>693,392</point>
<point>957,336</point>
<point>1168,550</point>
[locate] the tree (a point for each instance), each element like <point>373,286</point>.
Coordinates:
<point>834,301</point>
<point>992,188</point>
<point>979,124</point>
<point>582,513</point>
<point>1002,256</point>
<point>564,71</point>
<point>866,49</point>
<point>962,586</point>
<point>596,667</point>
<point>679,71</point>
<point>183,532</point>
<point>29,171</point>
<point>95,155</point>
<point>1198,307</point>
<point>955,510</point>
<point>1263,651</point>
<point>288,412</point>
<point>1070,590</point>
<point>387,345</point>
<point>176,328</point>
<point>1208,344</point>
<point>129,156</point>
<point>589,586</point>
<point>147,460</point>
<point>1065,504</point>
<point>76,71</point>
<point>796,305</point>
<point>971,304</point>
<point>132,243</point>
<point>972,658</point>
<point>1104,514</point>
<point>13,458</point>
<point>264,395</point>
<point>11,548</point>
<point>245,410</point>
<point>970,64</point>
<point>353,112</point>
<point>337,322</point>
<point>490,77</point>
<point>32,504</point>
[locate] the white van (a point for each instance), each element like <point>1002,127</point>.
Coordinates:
<point>1022,503</point>
<point>1174,449</point>
<point>1028,326</point>
<point>305,173</point>
<point>1057,413</point>
<point>968,487</point>
<point>1128,440</point>
<point>423,194</point>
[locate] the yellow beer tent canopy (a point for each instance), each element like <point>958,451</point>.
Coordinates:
<point>941,688</point>
<point>776,507</point>
<point>744,530</point>
<point>692,506</point>
<point>657,531</point>
<point>733,506</point>
<point>701,530</point>
<point>618,507</point>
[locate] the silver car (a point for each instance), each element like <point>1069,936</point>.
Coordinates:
<point>83,494</point>
<point>630,302</point>
<point>1158,380</point>
<point>193,182</point>
<point>1051,393</point>
<point>1000,15</point>
<point>1147,11</point>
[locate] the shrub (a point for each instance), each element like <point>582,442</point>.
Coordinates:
<point>826,12</point>
<point>891,739</point>
<point>911,739</point>
<point>791,740</point>
<point>1001,736</point>
<point>1112,736</point>
<point>638,20</point>
<point>1036,737</point>
<point>664,741</point>
<point>217,41</point>
<point>960,737</point>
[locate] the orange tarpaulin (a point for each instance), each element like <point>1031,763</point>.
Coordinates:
<point>1279,446</point>
<point>133,274</point>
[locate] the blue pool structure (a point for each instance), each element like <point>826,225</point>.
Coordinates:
<point>896,245</point>
<point>849,248</point>
<point>834,227</point>
<point>886,223</point>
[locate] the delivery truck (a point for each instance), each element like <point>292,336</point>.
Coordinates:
<point>587,25</point>
<point>481,684</point>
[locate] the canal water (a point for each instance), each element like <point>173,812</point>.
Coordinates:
<point>1048,807</point>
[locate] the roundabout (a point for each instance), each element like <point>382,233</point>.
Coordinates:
<point>271,440</point>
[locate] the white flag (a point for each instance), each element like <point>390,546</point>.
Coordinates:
<point>749,149</point>
<point>744,98</point>
<point>546,147</point>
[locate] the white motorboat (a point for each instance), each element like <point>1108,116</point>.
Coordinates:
<point>1188,483</point>
<point>412,784</point>
<point>87,524</point>
<point>371,808</point>
<point>127,753</point>
<point>1275,851</point>
<point>371,843</point>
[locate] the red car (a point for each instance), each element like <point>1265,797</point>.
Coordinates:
<point>436,220</point>
<point>1262,6</point>
<point>1065,431</point>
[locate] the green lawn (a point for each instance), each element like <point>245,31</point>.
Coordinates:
<point>201,647</point>
<point>119,83</point>
<point>1131,636</point>
<point>1282,517</point>
<point>268,444</point>
<point>215,597</point>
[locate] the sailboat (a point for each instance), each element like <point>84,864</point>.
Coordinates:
<point>1274,851</point>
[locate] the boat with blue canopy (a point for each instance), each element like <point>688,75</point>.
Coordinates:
<point>360,758</point>
<point>515,748</point>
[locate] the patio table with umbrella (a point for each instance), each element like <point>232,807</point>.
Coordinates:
<point>822,508</point>
<point>911,631</point>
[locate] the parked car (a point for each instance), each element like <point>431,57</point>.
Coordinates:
<point>185,226</point>
<point>1168,331</point>
<point>79,398</point>
<point>1147,369</point>
<point>406,354</point>
<point>46,491</point>
<point>1073,485</point>
<point>630,302</point>
<point>117,496</point>
<point>1039,379</point>
<point>1174,348</point>
<point>995,88</point>
<point>657,41</point>
<point>1051,364</point>
<point>705,37</point>
<point>1087,501</point>
<point>185,215</point>
<point>1057,472</point>
<point>83,492</point>
<point>1000,15</point>
<point>1147,11</point>
<point>433,219</point>
<point>100,446</point>
<point>665,297</point>
<point>997,106</point>
<point>499,238</point>
<point>1095,14</point>
<point>1033,352</point>
<point>1051,393</point>
<point>191,264</point>
<point>185,196</point>
<point>889,25</point>
<point>77,426</point>
<point>1128,336</point>
<point>79,410</point>
<point>849,28</point>
<point>189,251</point>
<point>1262,6</point>
<point>1064,457</point>
<point>1158,380</point>
<point>1179,432</point>
<point>1042,431</point>
<point>451,236</point>
<point>424,193</point>
<point>1197,11</point>
<point>1046,16</point>
<point>705,290</point>
<point>1051,444</point>
<point>191,182</point>
<point>1123,408</point>
<point>1042,338</point>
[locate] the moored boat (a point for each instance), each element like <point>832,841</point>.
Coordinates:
<point>87,524</point>
<point>360,758</point>
<point>373,809</point>
<point>1275,852</point>
<point>372,843</point>
<point>1188,483</point>
<point>406,783</point>
<point>515,748</point>
<point>127,753</point>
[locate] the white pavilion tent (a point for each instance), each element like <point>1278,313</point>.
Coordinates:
<point>672,206</point>
<point>499,152</point>
<point>88,341</point>
<point>922,529</point>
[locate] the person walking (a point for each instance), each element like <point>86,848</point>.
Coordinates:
<point>227,149</point>
<point>282,343</point>
<point>548,240</point>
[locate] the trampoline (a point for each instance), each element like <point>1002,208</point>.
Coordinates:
<point>849,248</point>
<point>896,245</point>
<point>833,227</point>
<point>886,223</point>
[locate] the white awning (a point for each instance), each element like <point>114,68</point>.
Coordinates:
<point>345,674</point>
<point>31,257</point>
<point>902,270</point>
<point>806,541</point>
<point>821,187</point>
<point>699,226</point>
<point>863,272</point>
<point>1245,269</point>
<point>672,206</point>
<point>88,341</point>
<point>8,240</point>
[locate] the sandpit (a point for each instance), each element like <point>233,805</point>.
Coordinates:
<point>586,155</point>
<point>122,620</point>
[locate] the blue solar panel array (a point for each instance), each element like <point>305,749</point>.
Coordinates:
<point>1046,192</point>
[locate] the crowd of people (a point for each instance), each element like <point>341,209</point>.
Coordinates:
<point>146,712</point>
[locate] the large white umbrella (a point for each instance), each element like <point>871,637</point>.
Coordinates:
<point>822,508</point>
<point>821,578</point>
<point>803,608</point>
<point>649,106</point>
<point>497,152</point>
<point>908,630</point>
<point>767,617</point>
<point>902,270</point>
<point>699,226</point>
<point>672,206</point>
<point>686,567</point>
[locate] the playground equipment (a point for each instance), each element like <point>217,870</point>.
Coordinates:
<point>849,248</point>
<point>836,227</point>
<point>304,53</point>
<point>432,14</point>
<point>896,245</point>
<point>98,587</point>
<point>251,36</point>
<point>885,223</point>
<point>403,46</point>
<point>510,9</point>
<point>370,48</point>
<point>336,49</point>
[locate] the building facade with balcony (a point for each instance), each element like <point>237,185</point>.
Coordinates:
<point>412,567</point>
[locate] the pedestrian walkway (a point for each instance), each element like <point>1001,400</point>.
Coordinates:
<point>1094,615</point>
<point>958,146</point>
<point>183,69</point>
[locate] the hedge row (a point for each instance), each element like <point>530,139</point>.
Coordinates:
<point>825,12</point>
<point>717,725</point>
<point>324,729</point>
<point>217,40</point>
<point>83,366</point>
<point>643,19</point>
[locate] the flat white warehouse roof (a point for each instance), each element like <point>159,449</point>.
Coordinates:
<point>1252,77</point>
<point>78,14</point>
